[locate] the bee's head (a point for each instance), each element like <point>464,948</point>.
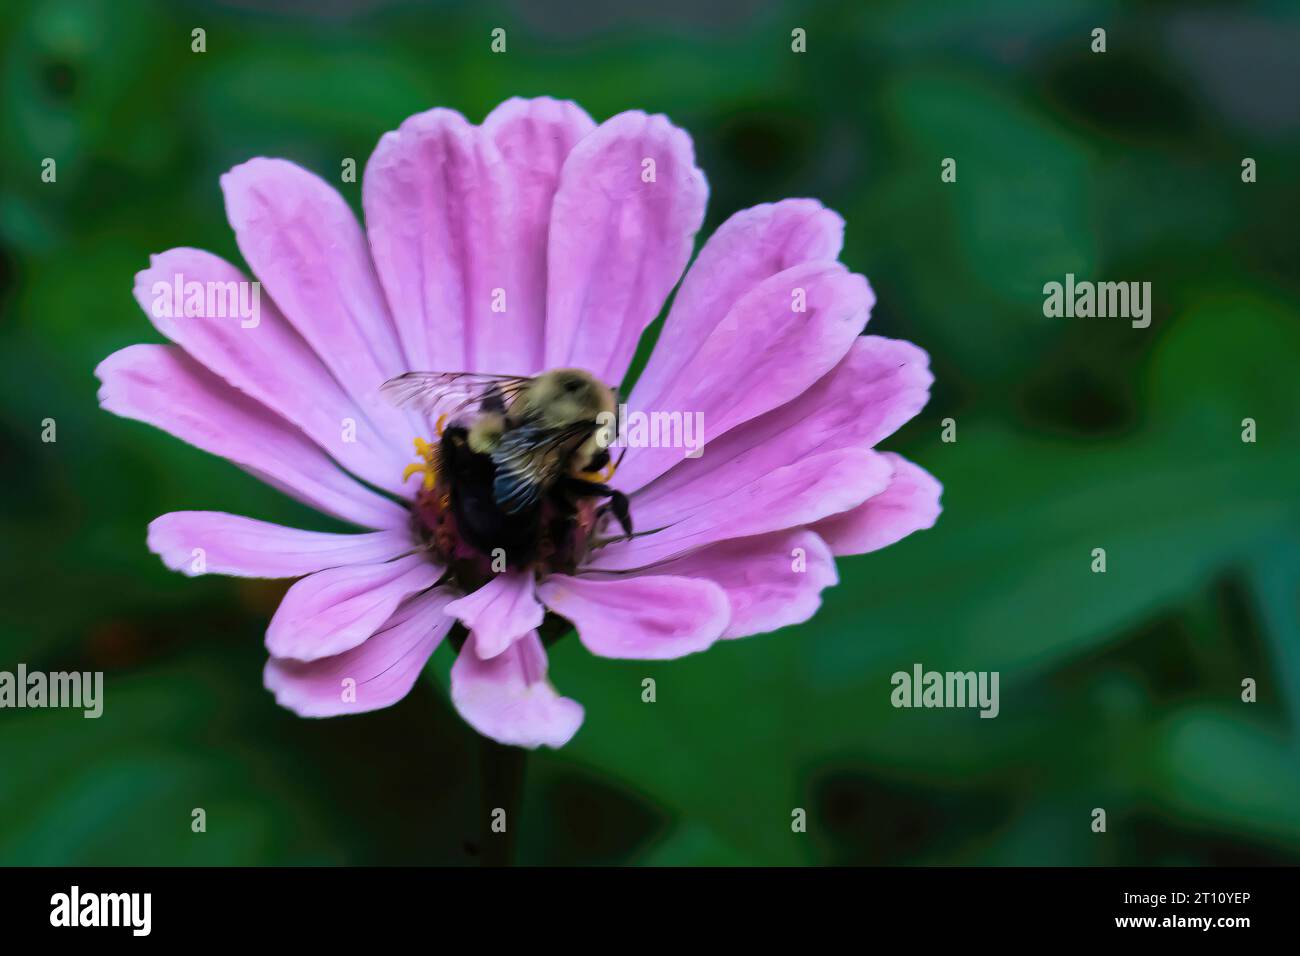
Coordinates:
<point>566,396</point>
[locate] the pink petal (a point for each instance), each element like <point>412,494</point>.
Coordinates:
<point>618,244</point>
<point>332,611</point>
<point>242,547</point>
<point>645,618</point>
<point>533,139</point>
<point>763,355</point>
<point>375,674</point>
<point>427,199</point>
<point>910,503</point>
<point>509,699</point>
<point>268,361</point>
<point>304,244</point>
<point>500,612</point>
<point>771,581</point>
<point>796,494</point>
<point>163,386</point>
<point>455,213</point>
<point>880,384</point>
<point>751,246</point>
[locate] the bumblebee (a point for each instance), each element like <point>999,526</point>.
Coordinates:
<point>516,465</point>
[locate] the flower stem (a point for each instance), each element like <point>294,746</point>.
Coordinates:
<point>553,628</point>
<point>501,775</point>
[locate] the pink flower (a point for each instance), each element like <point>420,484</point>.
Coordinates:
<point>580,232</point>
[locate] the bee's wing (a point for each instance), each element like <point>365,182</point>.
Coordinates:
<point>449,393</point>
<point>528,460</point>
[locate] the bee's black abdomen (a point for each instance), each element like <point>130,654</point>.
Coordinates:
<point>550,528</point>
<point>479,519</point>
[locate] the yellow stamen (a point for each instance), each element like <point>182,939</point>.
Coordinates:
<point>427,468</point>
<point>442,423</point>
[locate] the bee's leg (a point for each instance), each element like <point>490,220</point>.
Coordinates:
<point>618,502</point>
<point>599,462</point>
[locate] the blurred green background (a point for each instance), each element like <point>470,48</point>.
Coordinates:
<point>1120,691</point>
